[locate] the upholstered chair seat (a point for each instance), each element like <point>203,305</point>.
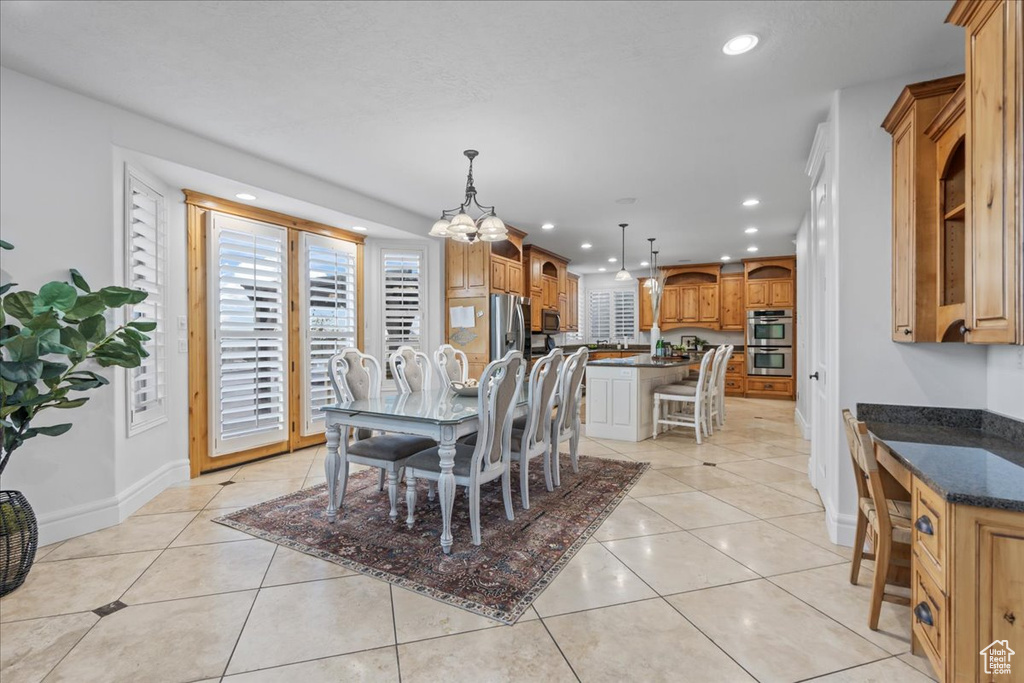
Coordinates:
<point>430,460</point>
<point>390,447</point>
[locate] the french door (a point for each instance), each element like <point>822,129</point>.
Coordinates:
<point>271,299</point>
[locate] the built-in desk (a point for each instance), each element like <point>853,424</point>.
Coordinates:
<point>964,470</point>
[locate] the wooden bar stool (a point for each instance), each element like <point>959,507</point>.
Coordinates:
<point>887,520</point>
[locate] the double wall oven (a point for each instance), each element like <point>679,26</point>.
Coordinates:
<point>770,342</point>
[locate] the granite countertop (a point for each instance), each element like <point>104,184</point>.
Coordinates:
<point>643,360</point>
<point>971,457</point>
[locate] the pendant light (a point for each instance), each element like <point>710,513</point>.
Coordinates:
<point>459,225</point>
<point>623,274</point>
<point>652,280</point>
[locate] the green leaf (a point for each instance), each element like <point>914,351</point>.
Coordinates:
<point>88,305</point>
<point>93,328</point>
<point>52,370</point>
<point>20,305</point>
<point>21,371</point>
<point>6,245</point>
<point>115,297</point>
<point>22,348</point>
<point>5,287</point>
<point>79,281</point>
<point>7,387</point>
<point>56,295</point>
<point>143,325</point>
<point>53,430</point>
<point>44,321</point>
<point>72,338</point>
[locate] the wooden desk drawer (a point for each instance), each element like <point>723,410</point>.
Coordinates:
<point>930,614</point>
<point>734,386</point>
<point>736,366</point>
<point>773,385</point>
<point>930,532</point>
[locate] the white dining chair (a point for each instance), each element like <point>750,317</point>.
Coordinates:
<point>566,425</point>
<point>411,369</point>
<point>716,384</point>
<point>685,394</point>
<point>536,432</point>
<point>452,365</point>
<point>500,386</point>
<point>717,414</point>
<point>356,376</point>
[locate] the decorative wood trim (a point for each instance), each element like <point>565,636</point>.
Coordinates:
<point>964,11</point>
<point>198,404</point>
<point>255,213</point>
<point>954,108</point>
<point>541,250</point>
<point>917,91</point>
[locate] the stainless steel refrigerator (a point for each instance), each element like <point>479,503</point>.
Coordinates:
<point>510,325</point>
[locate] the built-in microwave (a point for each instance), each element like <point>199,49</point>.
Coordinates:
<point>770,327</point>
<point>550,322</point>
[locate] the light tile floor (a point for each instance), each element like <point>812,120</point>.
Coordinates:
<point>716,568</point>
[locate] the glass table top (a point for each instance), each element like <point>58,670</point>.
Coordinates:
<point>439,406</point>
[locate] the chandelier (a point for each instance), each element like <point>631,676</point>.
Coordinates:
<point>461,226</point>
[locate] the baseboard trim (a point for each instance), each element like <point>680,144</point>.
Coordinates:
<point>803,424</point>
<point>841,527</point>
<point>81,519</point>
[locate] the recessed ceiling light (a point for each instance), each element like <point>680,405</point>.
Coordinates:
<point>727,258</point>
<point>359,228</point>
<point>645,263</point>
<point>612,259</point>
<point>246,196</point>
<point>740,44</point>
<point>751,249</point>
<point>750,231</point>
<point>626,200</point>
<point>586,245</point>
<point>601,270</point>
<point>751,202</point>
<point>548,226</point>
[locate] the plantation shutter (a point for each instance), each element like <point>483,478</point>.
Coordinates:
<point>145,269</point>
<point>249,319</point>
<point>328,301</point>
<point>402,283</point>
<point>599,315</point>
<point>624,313</point>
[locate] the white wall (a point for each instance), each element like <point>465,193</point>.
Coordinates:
<point>60,157</point>
<point>1006,380</point>
<point>871,367</point>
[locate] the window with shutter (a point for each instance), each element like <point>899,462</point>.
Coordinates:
<point>145,268</point>
<point>402,313</point>
<point>611,314</point>
<point>328,299</point>
<point>249,320</point>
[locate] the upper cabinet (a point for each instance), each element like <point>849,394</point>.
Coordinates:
<point>480,268</point>
<point>571,316</point>
<point>958,172</point>
<point>733,313</point>
<point>994,215</point>
<point>770,282</point>
<point>914,207</point>
<point>690,297</point>
<point>546,282</point>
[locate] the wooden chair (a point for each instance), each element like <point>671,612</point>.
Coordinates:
<point>411,369</point>
<point>886,519</point>
<point>452,365</point>
<point>566,425</point>
<point>693,394</point>
<point>357,376</point>
<point>500,386</point>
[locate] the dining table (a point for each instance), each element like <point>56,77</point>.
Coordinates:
<point>439,414</point>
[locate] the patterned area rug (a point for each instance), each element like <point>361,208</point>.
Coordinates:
<point>499,579</point>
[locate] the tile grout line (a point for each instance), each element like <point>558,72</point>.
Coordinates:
<point>558,647</point>
<point>394,629</point>
<point>849,668</point>
<point>248,614</point>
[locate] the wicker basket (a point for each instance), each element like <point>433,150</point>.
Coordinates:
<point>19,537</point>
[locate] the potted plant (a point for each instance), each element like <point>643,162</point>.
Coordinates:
<point>700,344</point>
<point>48,341</point>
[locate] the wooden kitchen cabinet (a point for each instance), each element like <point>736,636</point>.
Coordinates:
<point>994,218</point>
<point>736,374</point>
<point>645,314</point>
<point>733,313</point>
<point>689,304</point>
<point>499,274</point>
<point>467,267</point>
<point>708,296</point>
<point>770,282</point>
<point>514,279</point>
<point>571,320</point>
<point>914,207</point>
<point>671,308</point>
<point>547,284</point>
<point>549,293</point>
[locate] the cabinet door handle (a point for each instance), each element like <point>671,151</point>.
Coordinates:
<point>814,376</point>
<point>964,330</point>
<point>908,331</point>
<point>923,613</point>
<point>924,525</point>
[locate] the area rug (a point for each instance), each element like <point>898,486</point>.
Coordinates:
<point>498,579</point>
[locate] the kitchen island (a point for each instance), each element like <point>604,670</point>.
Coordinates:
<point>620,400</point>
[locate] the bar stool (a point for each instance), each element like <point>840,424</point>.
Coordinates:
<point>695,394</point>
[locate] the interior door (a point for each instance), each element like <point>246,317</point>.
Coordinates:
<point>824,415</point>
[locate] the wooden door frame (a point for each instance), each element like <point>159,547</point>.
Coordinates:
<point>198,205</point>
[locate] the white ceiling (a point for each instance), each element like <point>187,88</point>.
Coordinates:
<point>572,105</point>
